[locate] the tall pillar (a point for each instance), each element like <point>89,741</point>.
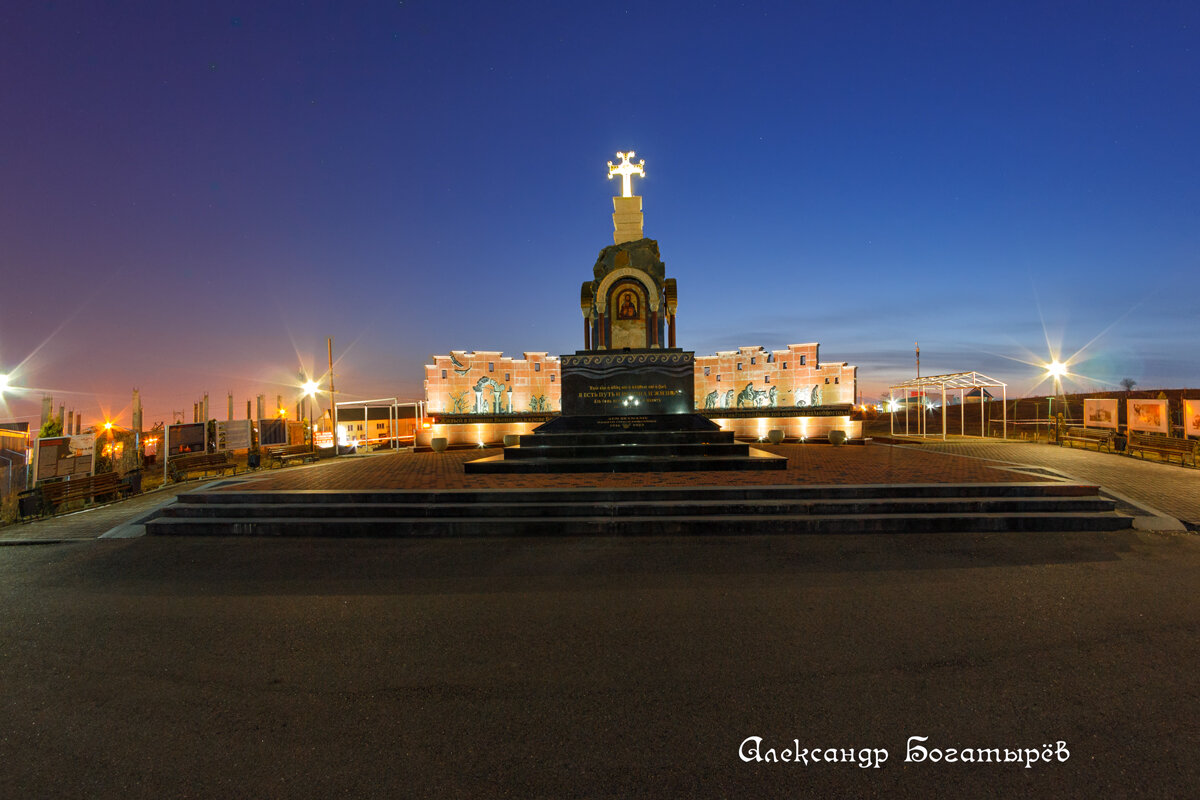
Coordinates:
<point>587,334</point>
<point>671,330</point>
<point>627,219</point>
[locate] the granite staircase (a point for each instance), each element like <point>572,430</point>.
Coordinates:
<point>661,443</point>
<point>742,510</point>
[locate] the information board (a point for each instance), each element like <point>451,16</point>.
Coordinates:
<point>186,437</point>
<point>64,456</point>
<point>272,431</point>
<point>1100,413</point>
<point>1147,415</point>
<point>233,434</point>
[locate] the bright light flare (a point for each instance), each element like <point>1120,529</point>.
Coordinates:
<point>1056,369</point>
<point>3,382</point>
<point>627,170</point>
<point>310,387</point>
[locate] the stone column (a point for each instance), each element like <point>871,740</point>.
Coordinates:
<point>627,219</point>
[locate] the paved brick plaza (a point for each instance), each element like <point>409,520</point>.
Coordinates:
<point>1171,489</point>
<point>807,464</point>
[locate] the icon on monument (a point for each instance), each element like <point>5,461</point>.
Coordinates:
<point>628,306</point>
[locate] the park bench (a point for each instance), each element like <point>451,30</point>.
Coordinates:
<point>1165,446</point>
<point>1103,439</point>
<point>86,488</point>
<point>283,453</point>
<point>179,466</point>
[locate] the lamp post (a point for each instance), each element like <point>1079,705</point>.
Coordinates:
<point>310,389</point>
<point>1056,370</point>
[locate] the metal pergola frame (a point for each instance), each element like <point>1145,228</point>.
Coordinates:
<point>393,407</point>
<point>962,381</point>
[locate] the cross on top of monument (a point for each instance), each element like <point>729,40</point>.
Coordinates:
<point>627,170</point>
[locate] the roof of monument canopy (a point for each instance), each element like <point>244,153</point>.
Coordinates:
<point>953,380</point>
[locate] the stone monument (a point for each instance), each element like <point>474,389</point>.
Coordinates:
<point>628,398</point>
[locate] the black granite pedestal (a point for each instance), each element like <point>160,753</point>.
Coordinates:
<point>627,411</point>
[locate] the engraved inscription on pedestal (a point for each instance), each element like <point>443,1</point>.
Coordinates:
<point>626,384</point>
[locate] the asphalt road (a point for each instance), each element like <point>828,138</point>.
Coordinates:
<point>597,667</point>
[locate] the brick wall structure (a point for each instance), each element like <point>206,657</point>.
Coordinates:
<point>754,376</point>
<point>488,383</point>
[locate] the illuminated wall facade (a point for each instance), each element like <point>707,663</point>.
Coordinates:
<point>488,382</point>
<point>755,377</point>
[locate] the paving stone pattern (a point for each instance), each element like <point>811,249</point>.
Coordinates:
<point>807,464</point>
<point>90,523</point>
<point>1170,488</point>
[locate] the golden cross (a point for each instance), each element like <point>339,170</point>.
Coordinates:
<point>627,171</point>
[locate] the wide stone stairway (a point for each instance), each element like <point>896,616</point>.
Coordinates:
<point>742,510</point>
<point>697,445</point>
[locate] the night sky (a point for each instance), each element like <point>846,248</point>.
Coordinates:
<point>193,196</point>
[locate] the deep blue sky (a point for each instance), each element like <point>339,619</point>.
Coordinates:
<point>194,194</point>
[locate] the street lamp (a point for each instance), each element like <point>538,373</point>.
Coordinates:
<point>310,388</point>
<point>1055,370</point>
<point>3,382</point>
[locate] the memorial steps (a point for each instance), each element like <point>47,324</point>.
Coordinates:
<point>670,511</point>
<point>626,451</point>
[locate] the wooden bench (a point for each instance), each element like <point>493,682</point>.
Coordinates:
<point>1102,438</point>
<point>179,466</point>
<point>84,488</point>
<point>290,452</point>
<point>1166,446</point>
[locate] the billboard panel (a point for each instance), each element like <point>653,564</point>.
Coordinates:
<point>1191,417</point>
<point>64,456</point>
<point>1100,413</point>
<point>233,434</point>
<point>272,431</point>
<point>186,437</point>
<point>1148,416</point>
